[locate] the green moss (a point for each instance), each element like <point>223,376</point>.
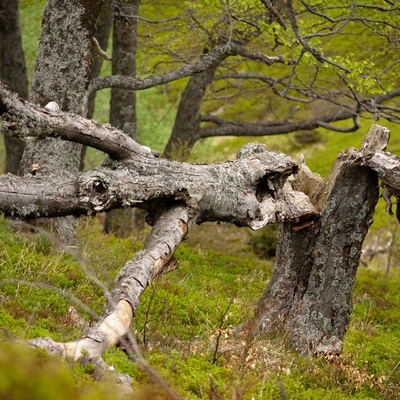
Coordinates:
<point>185,321</point>
<point>33,375</point>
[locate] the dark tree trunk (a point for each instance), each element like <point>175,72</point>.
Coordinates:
<point>310,294</point>
<point>187,121</point>
<point>12,72</point>
<point>62,76</point>
<point>123,101</point>
<point>102,35</point>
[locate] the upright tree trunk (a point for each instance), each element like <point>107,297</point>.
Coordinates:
<point>123,102</point>
<point>102,35</point>
<point>12,72</point>
<point>187,121</point>
<point>310,294</point>
<point>62,76</point>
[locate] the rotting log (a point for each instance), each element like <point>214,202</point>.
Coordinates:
<point>250,191</point>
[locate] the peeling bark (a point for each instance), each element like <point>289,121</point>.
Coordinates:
<point>167,233</point>
<point>249,191</point>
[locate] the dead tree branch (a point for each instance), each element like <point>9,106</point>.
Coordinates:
<point>167,233</point>
<point>249,191</point>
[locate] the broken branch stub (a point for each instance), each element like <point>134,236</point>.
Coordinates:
<point>309,295</point>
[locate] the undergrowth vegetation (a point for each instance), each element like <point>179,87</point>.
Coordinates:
<point>184,326</point>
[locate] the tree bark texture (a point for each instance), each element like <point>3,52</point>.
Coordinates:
<point>123,102</point>
<point>250,191</point>
<point>61,74</point>
<point>12,72</point>
<point>102,35</point>
<point>310,294</point>
<point>169,230</point>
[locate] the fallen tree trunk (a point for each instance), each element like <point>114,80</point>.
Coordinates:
<point>252,190</point>
<point>167,233</point>
<point>249,191</point>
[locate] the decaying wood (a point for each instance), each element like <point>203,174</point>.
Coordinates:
<point>167,233</point>
<point>249,191</point>
<point>252,190</point>
<point>311,184</point>
<point>310,294</point>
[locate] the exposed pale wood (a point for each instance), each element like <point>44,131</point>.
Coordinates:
<point>311,184</point>
<point>169,230</point>
<point>376,140</point>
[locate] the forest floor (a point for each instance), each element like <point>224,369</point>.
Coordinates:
<point>185,323</point>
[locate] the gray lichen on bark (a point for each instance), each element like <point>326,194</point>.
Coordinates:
<point>61,74</point>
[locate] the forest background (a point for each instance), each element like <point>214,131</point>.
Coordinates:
<point>185,323</point>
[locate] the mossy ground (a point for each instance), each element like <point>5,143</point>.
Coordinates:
<point>184,324</point>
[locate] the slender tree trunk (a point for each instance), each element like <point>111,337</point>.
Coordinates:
<point>123,102</point>
<point>12,72</point>
<point>187,121</point>
<point>310,294</point>
<point>102,35</point>
<point>62,76</point>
